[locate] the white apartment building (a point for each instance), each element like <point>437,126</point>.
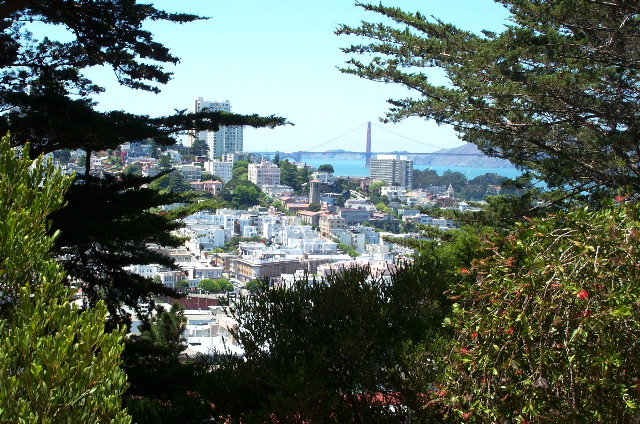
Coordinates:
<point>391,170</point>
<point>226,139</point>
<point>395,192</point>
<point>147,271</point>
<point>264,173</point>
<point>222,168</point>
<point>190,172</point>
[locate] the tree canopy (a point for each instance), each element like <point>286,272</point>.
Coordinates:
<point>215,286</point>
<point>47,95</point>
<point>555,92</point>
<point>330,351</point>
<point>108,225</point>
<point>57,364</point>
<point>293,176</point>
<point>546,329</point>
<point>327,167</point>
<point>46,99</point>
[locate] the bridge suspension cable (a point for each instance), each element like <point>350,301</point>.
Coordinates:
<point>407,138</point>
<point>334,139</point>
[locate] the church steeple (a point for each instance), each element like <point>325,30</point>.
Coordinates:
<point>450,192</point>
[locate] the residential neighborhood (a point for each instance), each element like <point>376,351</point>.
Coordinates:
<point>283,233</point>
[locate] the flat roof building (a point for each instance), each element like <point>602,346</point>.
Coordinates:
<point>391,170</point>
<point>264,173</point>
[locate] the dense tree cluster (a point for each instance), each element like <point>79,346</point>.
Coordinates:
<point>547,328</point>
<point>109,225</point>
<point>331,351</point>
<point>215,286</point>
<point>475,189</point>
<point>294,176</point>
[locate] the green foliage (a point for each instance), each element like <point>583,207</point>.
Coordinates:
<point>548,326</point>
<point>348,250</point>
<point>56,362</point>
<point>254,286</point>
<point>239,172</point>
<point>245,196</point>
<point>327,167</point>
<point>224,285</point>
<point>376,186</point>
<point>208,285</point>
<point>241,164</point>
<point>315,207</point>
<point>108,224</point>
<point>165,162</point>
<point>322,352</point>
<point>199,148</point>
<point>133,169</point>
<point>383,208</point>
<point>209,177</point>
<point>215,286</point>
<point>64,156</point>
<point>497,93</point>
<point>183,284</point>
<point>171,182</point>
<point>280,207</point>
<point>293,176</point>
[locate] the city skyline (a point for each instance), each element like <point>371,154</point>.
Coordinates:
<point>282,58</point>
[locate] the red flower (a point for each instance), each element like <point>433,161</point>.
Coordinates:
<point>464,271</point>
<point>474,335</point>
<point>508,331</point>
<point>586,313</point>
<point>620,199</point>
<point>583,294</point>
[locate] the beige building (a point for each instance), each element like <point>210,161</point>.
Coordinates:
<point>330,223</point>
<point>264,173</point>
<point>211,186</point>
<point>309,217</point>
<point>251,269</point>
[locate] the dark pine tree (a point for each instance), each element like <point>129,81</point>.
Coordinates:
<point>555,92</point>
<point>107,222</point>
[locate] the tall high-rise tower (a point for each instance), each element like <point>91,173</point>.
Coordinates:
<point>226,139</point>
<point>391,170</point>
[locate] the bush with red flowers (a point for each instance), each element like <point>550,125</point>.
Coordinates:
<point>547,328</point>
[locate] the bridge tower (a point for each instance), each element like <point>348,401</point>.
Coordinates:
<point>367,155</point>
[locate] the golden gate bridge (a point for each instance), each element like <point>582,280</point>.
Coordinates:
<point>298,155</point>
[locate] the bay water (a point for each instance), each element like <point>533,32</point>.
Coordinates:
<point>357,168</point>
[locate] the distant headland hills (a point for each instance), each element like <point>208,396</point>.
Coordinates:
<point>465,155</point>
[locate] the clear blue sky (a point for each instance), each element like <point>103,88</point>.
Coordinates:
<point>281,57</point>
